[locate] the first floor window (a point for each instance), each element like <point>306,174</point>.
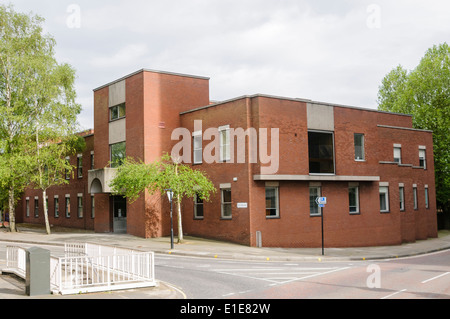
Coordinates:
<point>314,209</point>
<point>117,112</point>
<point>80,166</point>
<point>422,158</point>
<point>198,207</point>
<point>321,152</point>
<point>272,202</point>
<point>118,154</point>
<point>226,203</point>
<point>397,154</point>
<point>198,152</point>
<point>353,199</point>
<point>359,146</point>
<point>384,199</point>
<point>401,192</point>
<point>224,136</point>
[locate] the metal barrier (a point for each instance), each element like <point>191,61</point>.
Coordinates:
<point>92,268</point>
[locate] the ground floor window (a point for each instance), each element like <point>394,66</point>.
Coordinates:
<point>416,206</point>
<point>353,199</point>
<point>401,194</point>
<point>314,209</point>
<point>272,202</point>
<point>27,205</point>
<point>384,199</point>
<point>198,207</point>
<point>427,205</point>
<point>226,203</point>
<point>92,206</point>
<point>80,206</point>
<point>56,206</point>
<point>36,207</point>
<point>67,206</point>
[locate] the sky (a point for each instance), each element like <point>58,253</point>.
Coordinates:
<point>335,51</point>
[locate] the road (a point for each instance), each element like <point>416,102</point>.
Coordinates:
<point>421,277</point>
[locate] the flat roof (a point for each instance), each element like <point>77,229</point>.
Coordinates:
<point>152,71</point>
<point>290,99</point>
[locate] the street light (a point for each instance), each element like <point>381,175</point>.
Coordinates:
<point>170,197</point>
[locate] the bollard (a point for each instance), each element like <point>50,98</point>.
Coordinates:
<point>37,280</point>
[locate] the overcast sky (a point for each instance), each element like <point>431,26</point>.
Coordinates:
<point>324,50</point>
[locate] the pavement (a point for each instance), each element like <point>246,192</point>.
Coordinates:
<point>198,247</point>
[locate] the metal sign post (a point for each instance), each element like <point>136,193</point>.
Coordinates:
<point>321,202</point>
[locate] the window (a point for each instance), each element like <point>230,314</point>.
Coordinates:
<point>416,205</point>
<point>67,173</point>
<point>272,202</point>
<point>36,207</point>
<point>198,152</point>
<point>226,203</point>
<point>80,166</point>
<point>67,205</point>
<point>80,206</point>
<point>224,132</point>
<point>27,204</point>
<point>359,147</point>
<point>117,112</point>
<point>398,154</point>
<point>384,199</point>
<point>401,192</point>
<point>427,204</point>
<point>92,206</point>
<point>92,160</point>
<point>118,154</point>
<point>422,158</point>
<point>321,152</point>
<point>56,202</point>
<point>198,207</point>
<point>353,199</point>
<point>314,209</point>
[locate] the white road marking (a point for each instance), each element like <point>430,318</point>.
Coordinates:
<point>436,277</point>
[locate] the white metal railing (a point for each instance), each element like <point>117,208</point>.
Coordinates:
<point>16,261</point>
<point>91,268</point>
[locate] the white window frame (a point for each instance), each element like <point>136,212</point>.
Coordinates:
<point>427,198</point>
<point>92,206</point>
<point>318,194</point>
<point>225,148</point>
<point>397,153</point>
<point>415,199</point>
<point>356,187</point>
<point>223,203</point>
<point>384,190</point>
<point>363,157</point>
<point>80,212</point>
<point>67,207</point>
<point>423,154</point>
<point>197,147</point>
<point>277,202</point>
<point>401,196</point>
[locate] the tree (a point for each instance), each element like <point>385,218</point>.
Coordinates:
<point>425,93</point>
<point>133,178</point>
<point>37,105</point>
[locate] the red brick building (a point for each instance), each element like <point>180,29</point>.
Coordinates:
<point>269,158</point>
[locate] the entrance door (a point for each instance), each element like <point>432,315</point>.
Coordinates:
<point>119,214</point>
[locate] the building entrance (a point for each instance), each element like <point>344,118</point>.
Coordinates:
<point>119,214</point>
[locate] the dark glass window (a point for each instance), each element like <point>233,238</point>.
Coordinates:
<point>321,152</point>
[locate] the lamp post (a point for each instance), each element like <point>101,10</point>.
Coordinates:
<point>170,197</point>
